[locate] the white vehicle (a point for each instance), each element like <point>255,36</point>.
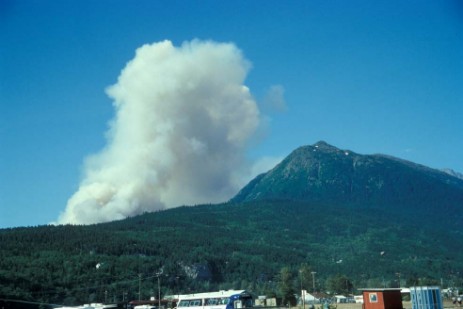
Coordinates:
<point>90,306</point>
<point>358,299</point>
<point>231,299</point>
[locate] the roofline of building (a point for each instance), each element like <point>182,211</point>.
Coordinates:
<point>379,289</point>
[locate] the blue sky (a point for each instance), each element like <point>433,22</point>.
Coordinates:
<point>369,76</point>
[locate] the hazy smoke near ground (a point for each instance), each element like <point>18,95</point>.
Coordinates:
<point>183,119</point>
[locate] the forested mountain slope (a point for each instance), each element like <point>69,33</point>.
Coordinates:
<point>220,247</point>
<point>345,216</point>
<point>322,173</point>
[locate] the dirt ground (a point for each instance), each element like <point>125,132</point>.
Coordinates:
<point>405,304</point>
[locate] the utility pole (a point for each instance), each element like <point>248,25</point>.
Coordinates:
<point>302,291</point>
<point>178,292</point>
<point>159,289</point>
<point>313,280</point>
<point>139,287</point>
<point>313,286</point>
<point>398,276</point>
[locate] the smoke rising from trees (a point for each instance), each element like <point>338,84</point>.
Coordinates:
<point>183,121</point>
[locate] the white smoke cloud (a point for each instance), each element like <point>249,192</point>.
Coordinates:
<point>275,99</point>
<point>183,121</point>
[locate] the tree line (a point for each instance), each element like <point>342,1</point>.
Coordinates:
<point>266,247</point>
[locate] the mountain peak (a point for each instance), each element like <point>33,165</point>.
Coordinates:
<point>322,173</point>
<point>322,144</point>
<point>316,152</point>
<point>325,147</point>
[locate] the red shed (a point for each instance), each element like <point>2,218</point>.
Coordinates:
<point>382,299</point>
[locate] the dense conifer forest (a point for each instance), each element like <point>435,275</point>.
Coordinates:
<point>266,247</point>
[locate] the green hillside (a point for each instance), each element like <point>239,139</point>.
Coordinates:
<point>357,221</point>
<point>223,246</point>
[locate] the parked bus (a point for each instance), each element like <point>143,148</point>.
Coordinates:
<point>231,299</point>
<point>152,304</point>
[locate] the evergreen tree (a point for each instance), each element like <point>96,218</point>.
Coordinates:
<point>285,287</point>
<point>339,284</point>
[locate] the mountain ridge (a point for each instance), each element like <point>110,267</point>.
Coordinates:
<point>324,173</point>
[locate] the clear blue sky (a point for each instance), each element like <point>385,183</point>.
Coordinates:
<point>369,76</point>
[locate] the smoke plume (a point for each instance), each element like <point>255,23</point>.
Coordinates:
<point>183,120</point>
